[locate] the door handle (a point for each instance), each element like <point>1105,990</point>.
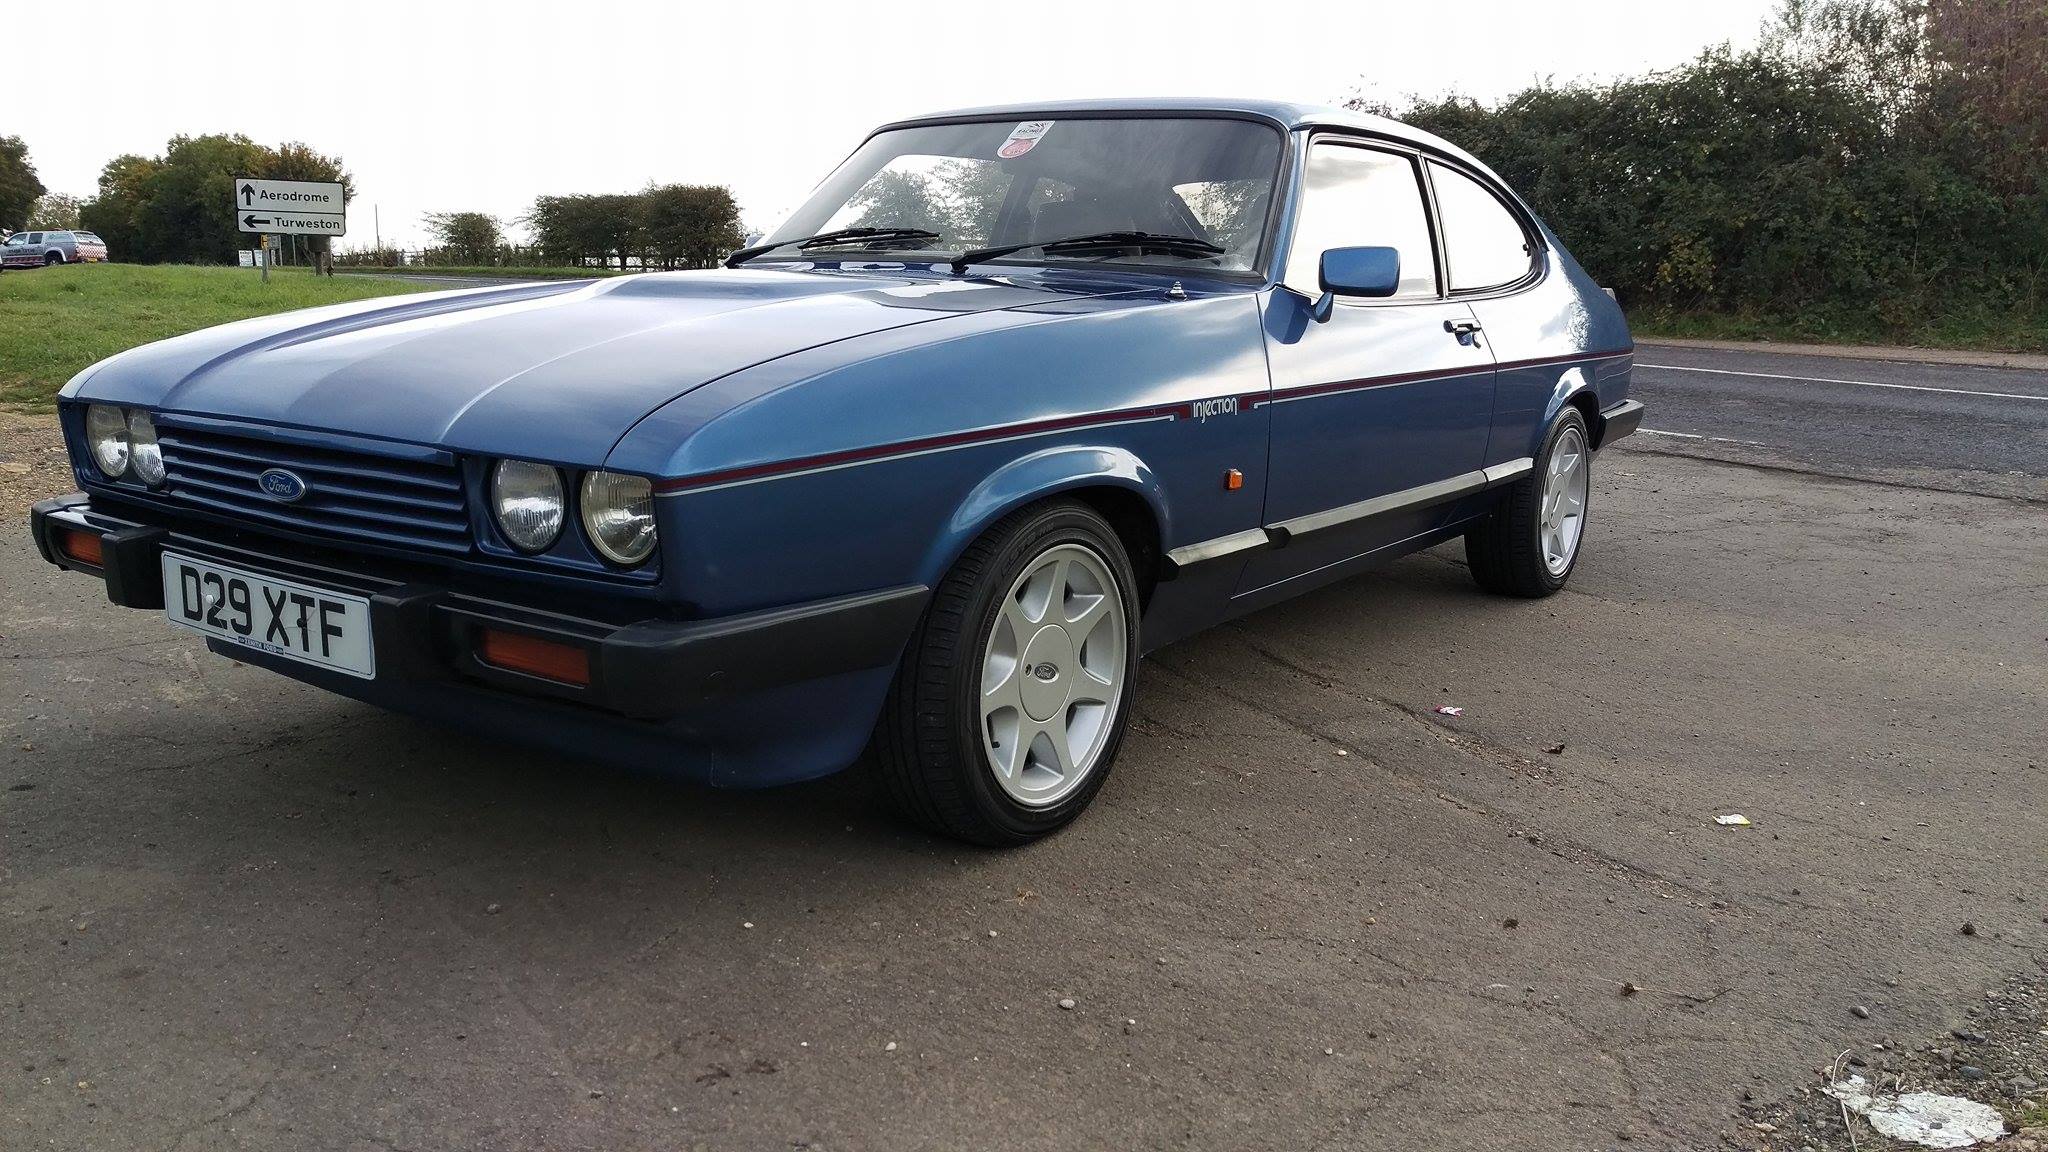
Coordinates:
<point>1462,328</point>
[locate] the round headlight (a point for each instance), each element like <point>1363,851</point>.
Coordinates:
<point>618,512</point>
<point>144,453</point>
<point>106,430</point>
<point>526,498</point>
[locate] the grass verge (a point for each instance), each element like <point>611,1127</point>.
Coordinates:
<point>56,321</point>
<point>485,272</point>
<point>1966,330</point>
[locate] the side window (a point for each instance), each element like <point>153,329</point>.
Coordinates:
<point>1362,197</point>
<point>1483,242</point>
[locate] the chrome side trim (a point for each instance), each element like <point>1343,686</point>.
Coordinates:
<point>1508,470</point>
<point>1408,499</point>
<point>1215,548</point>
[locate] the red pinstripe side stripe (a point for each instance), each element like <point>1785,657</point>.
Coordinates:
<point>1085,420</point>
<point>1434,374</point>
<point>906,447</point>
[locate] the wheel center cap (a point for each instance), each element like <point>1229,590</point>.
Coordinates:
<point>1048,672</point>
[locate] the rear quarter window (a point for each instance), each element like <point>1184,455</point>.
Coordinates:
<point>1484,242</point>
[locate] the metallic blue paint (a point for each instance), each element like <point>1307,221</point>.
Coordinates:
<point>842,426</point>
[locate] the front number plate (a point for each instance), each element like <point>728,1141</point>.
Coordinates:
<point>311,625</point>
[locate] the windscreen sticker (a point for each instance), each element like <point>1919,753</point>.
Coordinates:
<point>1023,138</point>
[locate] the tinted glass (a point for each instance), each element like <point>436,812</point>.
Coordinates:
<point>1356,198</point>
<point>1009,182</point>
<point>1483,242</point>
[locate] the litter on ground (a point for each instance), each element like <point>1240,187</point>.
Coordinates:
<point>1733,820</point>
<point>1928,1119</point>
<point>1449,710</point>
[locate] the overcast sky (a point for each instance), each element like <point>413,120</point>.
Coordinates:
<point>437,105</point>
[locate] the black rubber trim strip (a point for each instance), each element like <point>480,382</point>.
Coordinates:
<point>1616,422</point>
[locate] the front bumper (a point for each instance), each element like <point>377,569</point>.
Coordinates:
<point>426,635</point>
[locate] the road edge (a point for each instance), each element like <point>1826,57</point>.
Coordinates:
<point>2033,361</point>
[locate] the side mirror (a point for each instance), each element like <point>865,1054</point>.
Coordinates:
<point>1361,271</point>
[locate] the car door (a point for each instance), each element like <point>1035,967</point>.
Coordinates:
<point>1381,410</point>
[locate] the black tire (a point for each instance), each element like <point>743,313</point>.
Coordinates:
<point>1505,549</point>
<point>52,259</point>
<point>928,745</point>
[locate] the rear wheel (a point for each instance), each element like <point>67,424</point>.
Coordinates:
<point>51,258</point>
<point>1529,544</point>
<point>1014,693</point>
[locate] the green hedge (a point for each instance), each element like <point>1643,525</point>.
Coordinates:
<point>1864,173</point>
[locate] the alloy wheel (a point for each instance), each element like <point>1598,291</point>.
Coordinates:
<point>1052,675</point>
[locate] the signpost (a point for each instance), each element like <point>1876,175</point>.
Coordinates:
<point>289,208</point>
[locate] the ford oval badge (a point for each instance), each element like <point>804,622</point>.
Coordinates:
<point>279,484</point>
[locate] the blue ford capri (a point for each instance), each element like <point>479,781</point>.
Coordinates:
<point>1017,396</point>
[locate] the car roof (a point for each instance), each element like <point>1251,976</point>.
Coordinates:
<point>1284,114</point>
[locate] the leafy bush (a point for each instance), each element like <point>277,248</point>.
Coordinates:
<point>1864,172</point>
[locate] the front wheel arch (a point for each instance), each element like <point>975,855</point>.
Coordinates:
<point>1111,480</point>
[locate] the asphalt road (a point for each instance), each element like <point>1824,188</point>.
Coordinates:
<point>1306,912</point>
<point>1949,426</point>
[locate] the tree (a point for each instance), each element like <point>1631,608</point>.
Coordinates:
<point>181,206</point>
<point>566,228</point>
<point>613,223</point>
<point>296,161</point>
<point>19,187</point>
<point>899,198</point>
<point>188,215</point>
<point>468,237</point>
<point>691,225</point>
<point>113,214</point>
<point>54,210</point>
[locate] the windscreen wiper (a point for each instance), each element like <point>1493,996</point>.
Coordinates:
<point>1164,243</point>
<point>828,239</point>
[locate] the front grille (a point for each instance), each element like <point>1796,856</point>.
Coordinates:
<point>390,500</point>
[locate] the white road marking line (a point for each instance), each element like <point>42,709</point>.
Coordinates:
<point>1864,383</point>
<point>1697,436</point>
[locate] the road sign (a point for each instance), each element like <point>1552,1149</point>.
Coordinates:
<point>290,207</point>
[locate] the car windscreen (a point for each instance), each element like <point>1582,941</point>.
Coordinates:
<point>989,184</point>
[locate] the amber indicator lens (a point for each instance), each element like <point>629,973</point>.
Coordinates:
<point>562,663</point>
<point>83,547</point>
<point>1233,480</point>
